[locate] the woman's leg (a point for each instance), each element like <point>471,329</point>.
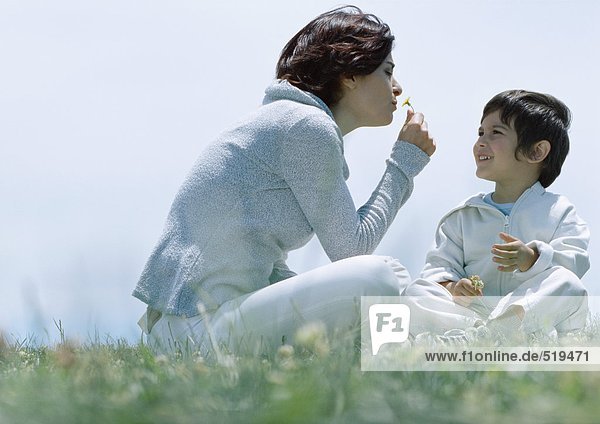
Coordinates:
<point>271,316</point>
<point>330,294</point>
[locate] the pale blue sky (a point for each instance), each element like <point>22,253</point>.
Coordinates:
<point>104,106</point>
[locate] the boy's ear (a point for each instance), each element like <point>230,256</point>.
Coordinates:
<point>540,151</point>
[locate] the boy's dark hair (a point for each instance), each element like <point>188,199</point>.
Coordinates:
<point>535,117</point>
<point>342,42</point>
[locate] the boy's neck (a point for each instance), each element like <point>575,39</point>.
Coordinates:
<point>509,193</point>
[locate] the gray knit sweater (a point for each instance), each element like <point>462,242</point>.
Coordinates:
<point>261,190</point>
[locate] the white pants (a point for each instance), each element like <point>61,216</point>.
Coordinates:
<point>553,300</point>
<point>270,316</point>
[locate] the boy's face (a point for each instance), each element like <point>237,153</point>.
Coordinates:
<point>494,153</point>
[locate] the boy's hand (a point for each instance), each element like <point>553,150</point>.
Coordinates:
<point>513,255</point>
<point>463,291</point>
<point>415,132</point>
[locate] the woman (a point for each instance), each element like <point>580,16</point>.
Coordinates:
<point>267,185</point>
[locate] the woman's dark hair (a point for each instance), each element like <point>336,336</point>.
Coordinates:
<point>341,43</point>
<point>535,117</point>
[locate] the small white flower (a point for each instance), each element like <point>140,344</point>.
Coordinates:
<point>313,337</point>
<point>477,281</point>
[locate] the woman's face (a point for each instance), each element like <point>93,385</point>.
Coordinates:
<point>373,100</point>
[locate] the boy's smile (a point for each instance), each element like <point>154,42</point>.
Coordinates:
<point>495,148</point>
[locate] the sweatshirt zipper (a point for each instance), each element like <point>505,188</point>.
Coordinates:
<point>506,229</point>
<point>506,224</point>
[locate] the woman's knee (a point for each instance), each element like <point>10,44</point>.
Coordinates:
<point>378,275</point>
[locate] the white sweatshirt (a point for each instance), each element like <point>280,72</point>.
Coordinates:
<point>465,236</point>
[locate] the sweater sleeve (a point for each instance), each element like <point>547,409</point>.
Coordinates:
<point>568,248</point>
<point>280,272</point>
<point>312,165</point>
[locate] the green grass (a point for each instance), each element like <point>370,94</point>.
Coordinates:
<point>115,382</point>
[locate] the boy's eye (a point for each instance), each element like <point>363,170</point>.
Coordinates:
<point>497,132</point>
<point>480,133</point>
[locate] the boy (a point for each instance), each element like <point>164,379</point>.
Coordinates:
<point>527,245</point>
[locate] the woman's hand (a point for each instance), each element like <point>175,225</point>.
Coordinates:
<point>513,255</point>
<point>415,132</point>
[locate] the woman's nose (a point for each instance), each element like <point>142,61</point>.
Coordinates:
<point>396,88</point>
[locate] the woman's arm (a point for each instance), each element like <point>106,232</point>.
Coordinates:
<point>313,166</point>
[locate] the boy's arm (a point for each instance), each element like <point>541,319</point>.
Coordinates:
<point>568,248</point>
<point>444,262</point>
<point>463,288</point>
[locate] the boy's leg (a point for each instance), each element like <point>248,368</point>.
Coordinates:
<point>434,310</point>
<point>554,299</point>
